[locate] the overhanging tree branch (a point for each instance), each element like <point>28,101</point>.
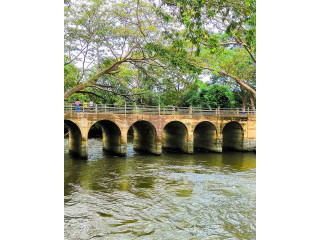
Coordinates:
<point>91,93</point>
<point>238,80</point>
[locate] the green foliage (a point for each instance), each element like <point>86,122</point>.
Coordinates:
<point>175,54</point>
<point>71,74</point>
<point>175,46</point>
<point>209,96</point>
<point>218,35</point>
<point>79,97</point>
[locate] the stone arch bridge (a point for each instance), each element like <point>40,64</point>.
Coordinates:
<point>155,128</point>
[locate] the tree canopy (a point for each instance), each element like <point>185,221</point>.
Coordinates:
<point>150,52</point>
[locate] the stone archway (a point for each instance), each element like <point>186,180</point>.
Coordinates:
<point>232,136</point>
<point>175,137</point>
<point>145,137</point>
<point>111,137</point>
<point>76,146</point>
<point>205,137</point>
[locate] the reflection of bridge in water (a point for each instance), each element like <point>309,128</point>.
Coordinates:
<point>154,128</point>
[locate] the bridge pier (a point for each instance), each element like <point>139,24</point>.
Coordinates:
<point>158,148</point>
<point>77,141</point>
<point>112,139</point>
<point>217,146</point>
<point>78,148</point>
<point>249,145</point>
<point>123,146</point>
<point>114,144</point>
<point>188,147</point>
<point>84,149</point>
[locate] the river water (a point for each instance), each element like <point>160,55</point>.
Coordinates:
<point>172,196</point>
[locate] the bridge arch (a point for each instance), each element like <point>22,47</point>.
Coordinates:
<point>75,139</point>
<point>175,137</point>
<point>205,137</point>
<point>145,137</point>
<point>111,137</point>
<point>232,136</point>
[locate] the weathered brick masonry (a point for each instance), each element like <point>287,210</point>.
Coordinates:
<point>154,132</point>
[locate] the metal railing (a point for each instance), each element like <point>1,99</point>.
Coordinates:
<point>156,110</point>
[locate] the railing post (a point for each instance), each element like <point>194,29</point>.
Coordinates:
<point>71,107</point>
<point>219,111</point>
<point>159,110</point>
<point>83,107</point>
<point>96,108</point>
<point>125,108</point>
<point>105,108</point>
<point>248,111</point>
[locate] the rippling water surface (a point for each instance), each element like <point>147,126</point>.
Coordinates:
<point>173,196</point>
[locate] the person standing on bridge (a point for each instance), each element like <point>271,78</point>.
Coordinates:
<point>243,110</point>
<point>91,105</point>
<point>77,106</point>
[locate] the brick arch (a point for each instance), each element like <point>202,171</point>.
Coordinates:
<point>111,136</point>
<point>205,121</point>
<point>233,136</point>
<point>101,120</point>
<point>242,125</point>
<point>186,122</point>
<point>205,137</point>
<point>78,124</point>
<point>77,142</point>
<point>128,124</point>
<point>176,135</point>
<point>71,123</point>
<point>145,136</point>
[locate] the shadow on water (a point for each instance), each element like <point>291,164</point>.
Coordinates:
<point>101,164</point>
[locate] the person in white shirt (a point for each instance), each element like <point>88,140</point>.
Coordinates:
<point>91,105</point>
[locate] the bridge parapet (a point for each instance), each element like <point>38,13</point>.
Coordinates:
<point>156,110</point>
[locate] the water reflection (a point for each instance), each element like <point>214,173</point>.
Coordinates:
<point>173,196</point>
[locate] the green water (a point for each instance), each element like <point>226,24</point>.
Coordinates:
<point>172,196</point>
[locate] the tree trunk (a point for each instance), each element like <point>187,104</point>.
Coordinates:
<point>106,71</point>
<point>246,86</point>
<point>244,99</point>
<point>252,102</point>
<point>239,81</point>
